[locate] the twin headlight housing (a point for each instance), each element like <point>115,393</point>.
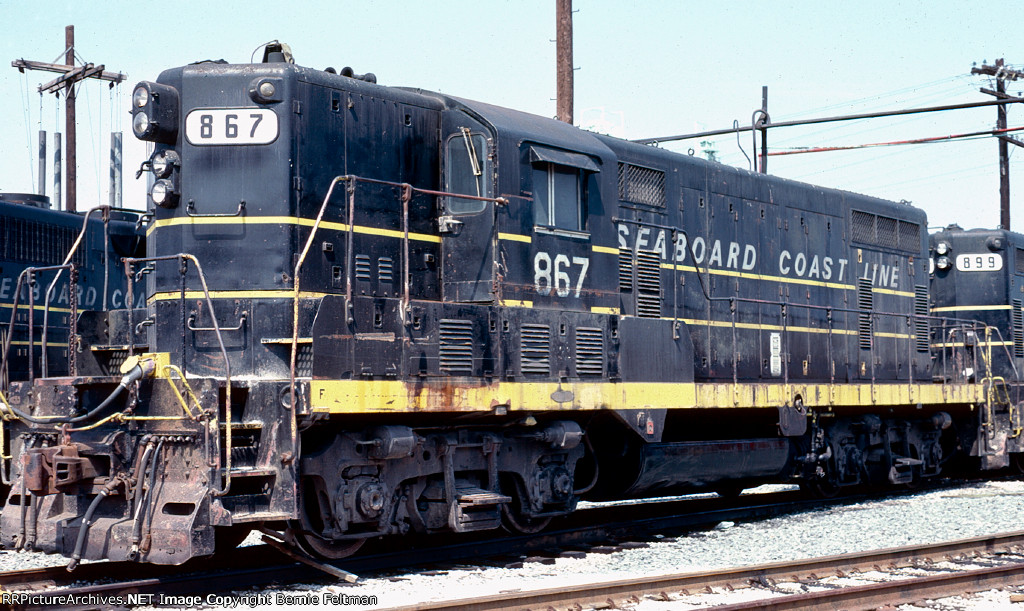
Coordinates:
<point>155,118</point>
<point>155,112</point>
<point>943,251</point>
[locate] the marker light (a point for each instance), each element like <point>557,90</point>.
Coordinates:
<point>163,194</point>
<point>164,163</point>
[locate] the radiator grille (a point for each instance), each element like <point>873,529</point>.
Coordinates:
<point>535,349</point>
<point>886,232</point>
<point>589,351</point>
<point>455,349</point>
<point>910,236</point>
<point>641,185</point>
<point>27,241</point>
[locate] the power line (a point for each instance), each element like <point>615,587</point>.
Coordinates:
<point>931,140</point>
<point>868,115</point>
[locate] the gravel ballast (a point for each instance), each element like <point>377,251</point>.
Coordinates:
<point>927,517</point>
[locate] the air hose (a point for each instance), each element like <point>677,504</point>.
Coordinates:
<point>142,369</point>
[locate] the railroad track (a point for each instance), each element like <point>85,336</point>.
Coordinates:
<point>258,566</point>
<point>625,593</point>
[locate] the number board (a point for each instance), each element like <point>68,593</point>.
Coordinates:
<point>979,262</point>
<point>220,126</point>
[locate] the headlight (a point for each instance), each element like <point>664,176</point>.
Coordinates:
<point>164,163</point>
<point>163,194</point>
<point>140,97</point>
<point>140,124</point>
<point>155,112</point>
<point>942,248</point>
<point>942,263</point>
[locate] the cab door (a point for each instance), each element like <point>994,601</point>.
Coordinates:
<point>466,224</point>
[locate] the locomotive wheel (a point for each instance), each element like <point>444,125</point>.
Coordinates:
<point>515,523</point>
<point>321,548</point>
<point>512,517</point>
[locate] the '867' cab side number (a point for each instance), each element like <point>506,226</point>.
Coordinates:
<point>220,126</point>
<point>554,274</point>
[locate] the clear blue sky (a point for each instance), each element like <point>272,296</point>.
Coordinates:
<point>643,69</point>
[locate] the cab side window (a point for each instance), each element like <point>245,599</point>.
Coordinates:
<point>559,197</point>
<point>560,188</point>
<point>466,171</point>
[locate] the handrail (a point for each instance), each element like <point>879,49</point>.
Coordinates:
<point>191,206</point>
<point>72,293</point>
<point>351,180</point>
<point>28,272</point>
<point>129,262</point>
<point>241,324</point>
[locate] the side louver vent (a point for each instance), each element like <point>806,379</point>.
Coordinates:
<point>625,270</point>
<point>921,317</point>
<point>535,349</point>
<point>866,303</point>
<point>648,284</point>
<point>362,267</point>
<point>455,350</point>
<point>385,269</point>
<point>589,351</point>
<point>1017,316</point>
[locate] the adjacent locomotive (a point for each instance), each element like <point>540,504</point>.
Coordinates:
<point>372,311</point>
<point>34,236</point>
<point>978,275</point>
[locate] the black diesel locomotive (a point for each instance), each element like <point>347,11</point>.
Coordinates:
<point>34,236</point>
<point>978,275</point>
<point>372,311</point>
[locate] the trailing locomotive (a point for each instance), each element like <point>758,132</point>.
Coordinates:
<point>32,235</point>
<point>372,311</point>
<point>978,275</point>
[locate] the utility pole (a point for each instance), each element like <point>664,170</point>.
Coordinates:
<point>70,123</point>
<point>762,119</point>
<point>563,12</point>
<point>1002,75</point>
<point>70,75</point>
